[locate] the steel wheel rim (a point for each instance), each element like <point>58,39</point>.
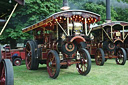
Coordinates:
<point>28,56</point>
<point>51,65</point>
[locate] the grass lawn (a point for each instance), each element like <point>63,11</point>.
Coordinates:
<point>109,74</point>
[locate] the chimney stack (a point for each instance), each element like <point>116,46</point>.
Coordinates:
<point>65,5</point>
<point>108,11</point>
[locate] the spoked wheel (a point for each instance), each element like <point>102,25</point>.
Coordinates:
<point>53,64</point>
<point>121,54</point>
<point>6,72</point>
<point>99,57</point>
<point>17,62</point>
<point>84,66</point>
<point>31,56</point>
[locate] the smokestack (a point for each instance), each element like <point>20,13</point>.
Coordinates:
<point>108,11</point>
<point>65,5</point>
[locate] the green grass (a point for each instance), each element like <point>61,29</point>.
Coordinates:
<point>109,74</point>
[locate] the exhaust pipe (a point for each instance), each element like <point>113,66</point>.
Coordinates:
<point>65,5</point>
<point>108,11</point>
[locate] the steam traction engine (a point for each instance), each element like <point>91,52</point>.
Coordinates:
<point>111,38</point>
<point>60,41</point>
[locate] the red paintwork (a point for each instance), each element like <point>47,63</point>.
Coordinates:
<point>20,53</point>
<point>78,39</point>
<point>2,74</point>
<point>93,50</point>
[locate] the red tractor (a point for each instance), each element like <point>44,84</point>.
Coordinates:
<point>15,55</point>
<point>60,41</point>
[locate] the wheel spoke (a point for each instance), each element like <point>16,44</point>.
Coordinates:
<point>2,77</point>
<point>3,72</point>
<point>29,64</point>
<point>85,67</point>
<point>81,67</point>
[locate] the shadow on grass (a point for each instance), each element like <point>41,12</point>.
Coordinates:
<point>109,62</point>
<point>70,71</point>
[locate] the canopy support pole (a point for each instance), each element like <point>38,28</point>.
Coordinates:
<point>61,28</point>
<point>123,32</point>
<point>86,27</point>
<point>8,19</point>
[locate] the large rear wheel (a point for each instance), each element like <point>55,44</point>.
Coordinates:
<point>53,64</point>
<point>84,66</point>
<point>99,57</point>
<point>31,56</point>
<point>121,54</point>
<point>6,72</point>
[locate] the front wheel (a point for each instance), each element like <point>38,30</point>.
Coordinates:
<point>6,72</point>
<point>121,56</point>
<point>53,64</point>
<point>84,66</point>
<point>99,57</point>
<point>17,61</point>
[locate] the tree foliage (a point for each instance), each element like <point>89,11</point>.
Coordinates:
<point>122,14</point>
<point>101,10</point>
<point>33,12</point>
<point>37,10</point>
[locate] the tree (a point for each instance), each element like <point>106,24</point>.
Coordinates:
<point>37,10</point>
<point>33,12</point>
<point>101,10</point>
<point>122,14</point>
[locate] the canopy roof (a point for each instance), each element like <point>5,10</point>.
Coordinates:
<point>113,23</point>
<point>79,15</point>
